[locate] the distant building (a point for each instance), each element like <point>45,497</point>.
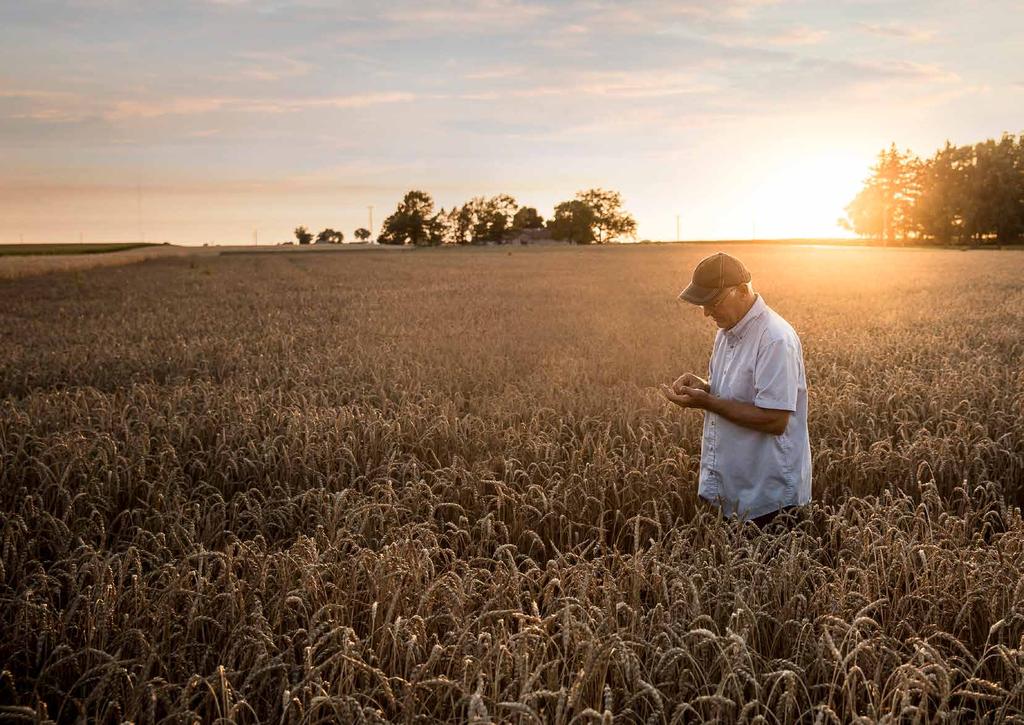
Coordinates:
<point>528,236</point>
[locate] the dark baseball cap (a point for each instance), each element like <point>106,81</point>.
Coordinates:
<point>712,275</point>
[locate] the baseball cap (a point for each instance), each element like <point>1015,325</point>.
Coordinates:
<point>712,275</point>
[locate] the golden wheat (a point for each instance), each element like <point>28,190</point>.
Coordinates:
<point>441,486</point>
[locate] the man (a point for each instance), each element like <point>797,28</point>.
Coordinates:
<point>755,457</point>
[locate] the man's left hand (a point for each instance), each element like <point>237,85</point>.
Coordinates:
<point>686,397</point>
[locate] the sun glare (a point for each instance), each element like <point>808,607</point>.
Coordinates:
<point>805,197</point>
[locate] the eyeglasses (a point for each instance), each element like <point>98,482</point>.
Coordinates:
<point>714,305</point>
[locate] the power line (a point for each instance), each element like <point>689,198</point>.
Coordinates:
<point>138,209</point>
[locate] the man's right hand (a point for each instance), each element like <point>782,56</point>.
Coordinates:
<point>689,380</point>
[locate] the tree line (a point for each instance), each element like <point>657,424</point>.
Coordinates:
<point>594,216</point>
<point>969,194</point>
<point>329,236</point>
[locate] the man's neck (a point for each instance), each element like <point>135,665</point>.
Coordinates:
<point>746,309</point>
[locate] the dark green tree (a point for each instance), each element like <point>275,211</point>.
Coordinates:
<point>460,224</point>
<point>995,189</point>
<point>413,222</point>
<point>362,234</point>
<point>488,219</point>
<point>610,221</point>
<point>527,218</point>
<point>938,210</point>
<point>962,194</point>
<point>303,235</point>
<point>574,221</point>
<point>330,236</point>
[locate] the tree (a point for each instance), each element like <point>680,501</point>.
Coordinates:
<point>362,234</point>
<point>574,221</point>
<point>527,218</point>
<point>481,220</point>
<point>460,224</point>
<point>963,193</point>
<point>610,221</point>
<point>412,222</point>
<point>330,236</point>
<point>864,214</point>
<point>995,191</point>
<point>884,207</point>
<point>303,235</point>
<point>938,210</point>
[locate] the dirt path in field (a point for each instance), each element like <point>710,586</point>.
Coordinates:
<point>13,267</point>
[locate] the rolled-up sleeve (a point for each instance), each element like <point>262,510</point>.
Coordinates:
<point>777,376</point>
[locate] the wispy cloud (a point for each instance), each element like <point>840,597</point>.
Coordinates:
<point>794,36</point>
<point>652,83</point>
<point>898,31</point>
<point>799,35</point>
<point>35,94</point>
<point>272,66</point>
<point>198,106</point>
<point>498,15</point>
<point>494,72</point>
<point>68,107</point>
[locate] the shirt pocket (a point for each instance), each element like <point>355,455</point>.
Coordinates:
<point>738,383</point>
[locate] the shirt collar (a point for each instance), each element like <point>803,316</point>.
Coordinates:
<point>755,311</point>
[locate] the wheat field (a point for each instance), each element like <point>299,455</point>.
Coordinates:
<point>441,486</point>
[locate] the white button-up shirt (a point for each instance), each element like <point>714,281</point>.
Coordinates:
<point>748,473</point>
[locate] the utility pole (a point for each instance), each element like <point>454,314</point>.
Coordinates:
<point>370,207</point>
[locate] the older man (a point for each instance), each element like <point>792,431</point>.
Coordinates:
<point>755,457</point>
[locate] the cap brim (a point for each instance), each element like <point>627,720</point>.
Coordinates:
<point>697,295</point>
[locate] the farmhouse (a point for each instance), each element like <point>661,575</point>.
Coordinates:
<point>529,236</point>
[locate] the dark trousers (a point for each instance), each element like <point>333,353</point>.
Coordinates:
<point>762,521</point>
<point>758,521</point>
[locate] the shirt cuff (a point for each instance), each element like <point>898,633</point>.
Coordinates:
<point>761,402</point>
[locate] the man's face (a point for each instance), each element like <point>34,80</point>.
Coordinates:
<point>728,308</point>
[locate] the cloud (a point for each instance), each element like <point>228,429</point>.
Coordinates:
<point>653,16</point>
<point>905,70</point>
<point>272,66</point>
<point>794,36</point>
<point>201,105</point>
<point>898,31</point>
<point>36,94</point>
<point>495,72</point>
<point>500,15</point>
<point>70,107</point>
<point>165,107</point>
<point>799,35</point>
<point>651,83</point>
<point>43,105</point>
<point>640,84</point>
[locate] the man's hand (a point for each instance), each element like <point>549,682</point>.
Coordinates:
<point>689,380</point>
<point>686,397</point>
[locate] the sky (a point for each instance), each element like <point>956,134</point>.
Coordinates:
<point>225,121</point>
